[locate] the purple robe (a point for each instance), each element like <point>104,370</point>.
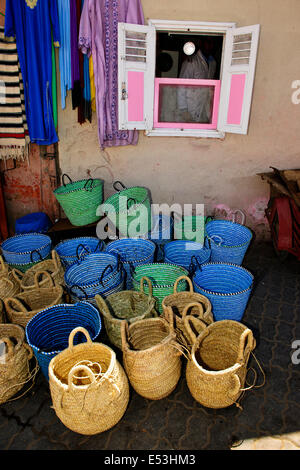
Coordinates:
<point>98,35</point>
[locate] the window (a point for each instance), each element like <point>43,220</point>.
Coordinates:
<point>153,95</point>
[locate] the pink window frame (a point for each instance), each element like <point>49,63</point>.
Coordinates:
<point>184,81</point>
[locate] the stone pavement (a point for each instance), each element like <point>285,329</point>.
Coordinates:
<point>270,417</point>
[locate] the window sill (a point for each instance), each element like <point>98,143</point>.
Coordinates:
<point>197,133</point>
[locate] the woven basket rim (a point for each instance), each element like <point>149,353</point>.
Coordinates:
<point>80,345</point>
<point>14,237</point>
<point>231,246</point>
<point>143,240</point>
<point>73,239</point>
<point>56,191</point>
<point>180,268</point>
<point>225,294</point>
<point>95,283</point>
<point>236,366</point>
<point>36,348</point>
<point>134,206</point>
<point>171,335</point>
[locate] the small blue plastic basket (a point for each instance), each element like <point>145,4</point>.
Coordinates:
<point>96,273</point>
<point>133,252</point>
<point>47,333</point>
<point>35,222</point>
<point>74,249</point>
<point>228,241</point>
<point>227,286</point>
<point>189,255</point>
<point>26,248</point>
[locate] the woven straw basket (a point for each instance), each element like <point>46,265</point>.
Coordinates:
<point>9,286</point>
<point>190,302</point>
<point>151,357</point>
<point>22,307</point>
<point>217,368</point>
<point>125,305</point>
<point>4,267</point>
<point>2,313</point>
<point>14,361</point>
<point>88,386</point>
<point>53,266</point>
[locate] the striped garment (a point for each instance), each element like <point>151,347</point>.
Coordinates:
<point>14,137</point>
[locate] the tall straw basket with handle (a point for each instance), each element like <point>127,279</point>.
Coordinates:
<point>88,386</point>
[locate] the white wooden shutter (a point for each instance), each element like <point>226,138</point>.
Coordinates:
<point>136,73</point>
<point>238,79</point>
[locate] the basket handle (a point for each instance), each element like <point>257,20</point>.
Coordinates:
<point>74,332</point>
<point>63,179</point>
<point>80,288</point>
<point>187,319</point>
<point>199,326</point>
<point>80,367</point>
<point>9,345</point>
<point>3,268</point>
<point>8,281</point>
<point>31,255</point>
<point>124,335</point>
<point>134,202</point>
<point>122,186</point>
<point>236,387</point>
<point>218,238</point>
<point>29,351</point>
<point>18,275</point>
<point>186,278</point>
<point>56,259</point>
<point>9,301</point>
<point>194,264</point>
<point>84,248</point>
<point>98,246</point>
<point>86,187</point>
<point>39,274</point>
<point>104,270</point>
<point>246,335</point>
<point>242,214</point>
<point>102,306</point>
<point>169,317</point>
<point>145,278</point>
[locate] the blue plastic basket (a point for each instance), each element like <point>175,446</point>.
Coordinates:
<point>227,286</point>
<point>118,287</point>
<point>189,255</point>
<point>96,273</point>
<point>228,241</point>
<point>133,252</point>
<point>73,249</point>
<point>36,222</point>
<point>48,331</point>
<point>26,248</point>
<point>161,233</point>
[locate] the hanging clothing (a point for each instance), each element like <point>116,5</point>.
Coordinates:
<point>14,138</point>
<point>92,84</point>
<point>196,100</point>
<point>65,49</point>
<point>84,103</point>
<point>98,35</point>
<point>30,22</point>
<point>54,87</point>
<point>75,68</point>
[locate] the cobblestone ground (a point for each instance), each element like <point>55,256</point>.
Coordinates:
<point>178,422</point>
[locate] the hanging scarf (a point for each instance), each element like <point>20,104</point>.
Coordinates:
<point>14,137</point>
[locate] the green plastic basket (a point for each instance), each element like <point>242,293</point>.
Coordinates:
<point>184,229</point>
<point>129,208</point>
<point>80,200</point>
<point>162,276</point>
